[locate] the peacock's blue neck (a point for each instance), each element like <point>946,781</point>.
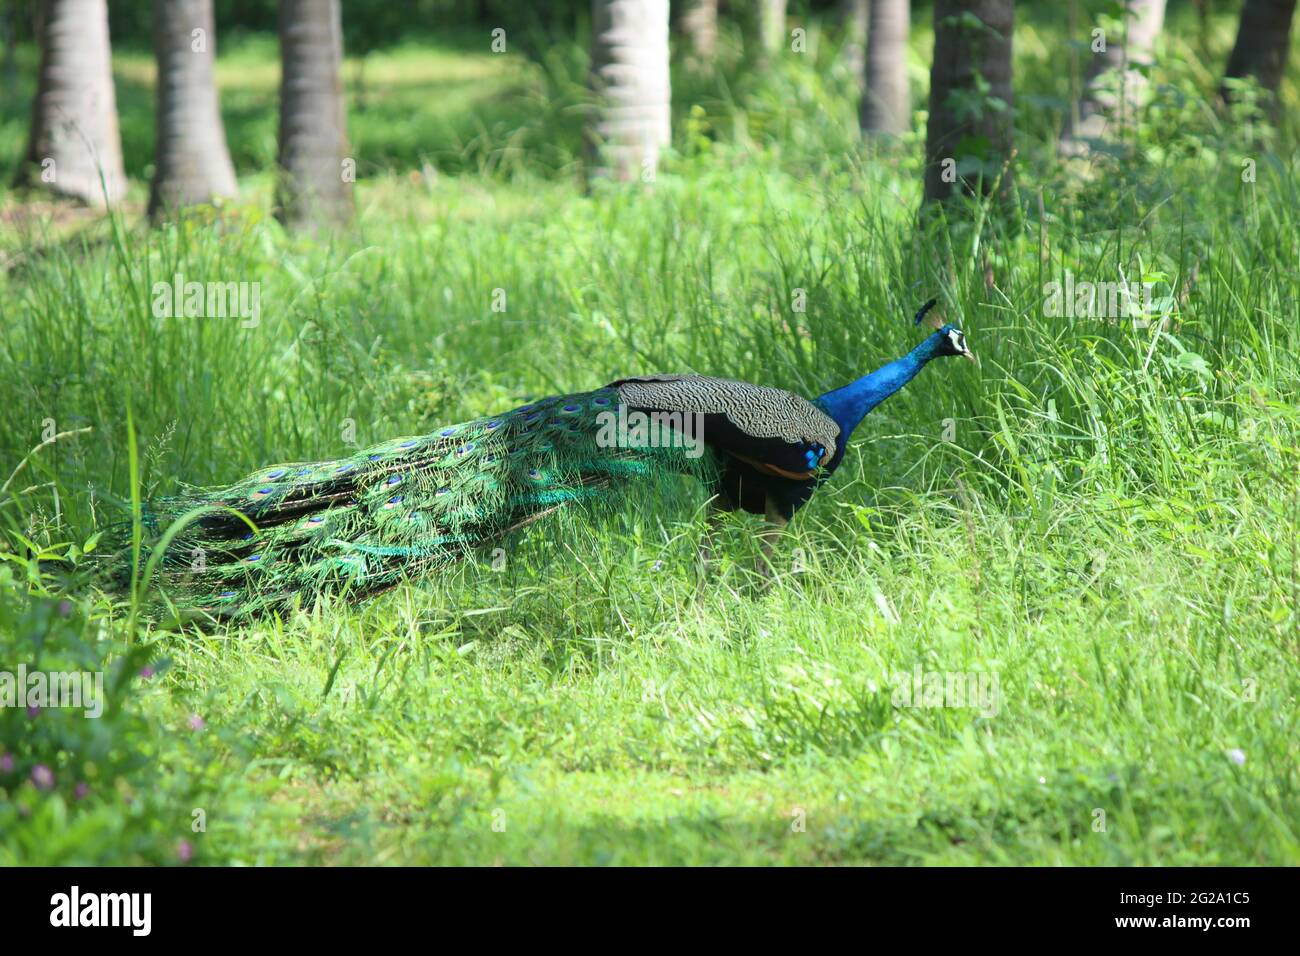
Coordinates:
<point>850,404</point>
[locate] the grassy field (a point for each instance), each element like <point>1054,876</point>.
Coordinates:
<point>1099,525</point>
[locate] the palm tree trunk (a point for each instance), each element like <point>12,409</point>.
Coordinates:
<point>192,164</point>
<point>699,23</point>
<point>855,14</point>
<point>1113,85</point>
<point>771,25</point>
<point>629,76</point>
<point>964,146</point>
<point>1263,40</point>
<point>316,180</point>
<point>75,148</point>
<point>887,103</point>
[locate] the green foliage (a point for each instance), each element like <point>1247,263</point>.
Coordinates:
<point>1104,513</point>
<point>126,777</point>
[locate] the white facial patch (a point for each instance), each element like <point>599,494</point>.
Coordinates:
<point>958,340</point>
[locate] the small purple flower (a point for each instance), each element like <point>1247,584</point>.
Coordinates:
<point>65,608</point>
<point>196,722</point>
<point>6,763</point>
<point>1237,756</point>
<point>81,791</point>
<point>33,711</point>
<point>185,851</point>
<point>43,777</point>
<point>146,672</point>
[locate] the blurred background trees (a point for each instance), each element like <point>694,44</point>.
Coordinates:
<point>969,138</point>
<point>629,76</point>
<point>1263,43</point>
<point>886,98</point>
<point>586,89</point>
<point>192,164</point>
<point>1117,74</point>
<point>315,186</point>
<point>698,23</point>
<point>75,149</point>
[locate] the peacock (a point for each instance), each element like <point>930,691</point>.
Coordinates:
<point>412,505</point>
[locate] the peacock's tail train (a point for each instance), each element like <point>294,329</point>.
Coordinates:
<point>395,510</point>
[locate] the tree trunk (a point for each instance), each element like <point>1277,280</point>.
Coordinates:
<point>316,171</point>
<point>969,138</point>
<point>75,148</point>
<point>1263,40</point>
<point>1113,87</point>
<point>771,25</point>
<point>887,103</point>
<point>191,161</point>
<point>699,23</point>
<point>855,15</point>
<point>629,76</point>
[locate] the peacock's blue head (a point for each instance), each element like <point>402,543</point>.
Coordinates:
<point>950,340</point>
<point>947,339</point>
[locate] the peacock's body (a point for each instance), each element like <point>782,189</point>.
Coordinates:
<point>411,505</point>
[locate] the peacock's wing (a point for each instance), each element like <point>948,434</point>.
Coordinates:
<point>773,430</point>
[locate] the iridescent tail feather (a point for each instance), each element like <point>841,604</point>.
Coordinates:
<point>400,509</point>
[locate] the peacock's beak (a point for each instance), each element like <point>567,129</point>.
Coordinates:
<point>968,354</point>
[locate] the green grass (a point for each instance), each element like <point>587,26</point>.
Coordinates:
<point>1113,532</point>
